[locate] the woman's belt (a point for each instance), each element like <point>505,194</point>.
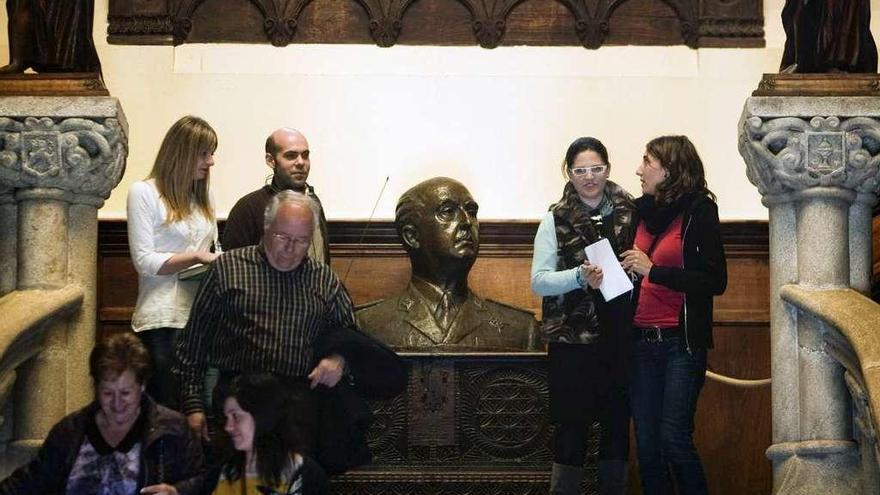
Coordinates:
<point>655,334</point>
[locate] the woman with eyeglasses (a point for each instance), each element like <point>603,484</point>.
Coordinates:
<point>588,337</point>
<point>262,449</point>
<point>679,258</point>
<point>171,227</point>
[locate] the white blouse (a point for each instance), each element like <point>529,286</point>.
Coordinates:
<point>163,300</point>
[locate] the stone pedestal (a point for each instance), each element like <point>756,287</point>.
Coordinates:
<point>60,157</point>
<point>815,161</point>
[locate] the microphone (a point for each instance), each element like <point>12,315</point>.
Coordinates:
<point>364,230</point>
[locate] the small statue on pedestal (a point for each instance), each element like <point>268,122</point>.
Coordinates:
<point>828,36</point>
<point>51,36</point>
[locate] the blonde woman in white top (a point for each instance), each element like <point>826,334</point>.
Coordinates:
<point>171,227</point>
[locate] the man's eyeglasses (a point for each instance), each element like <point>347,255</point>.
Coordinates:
<point>595,170</point>
<point>286,240</point>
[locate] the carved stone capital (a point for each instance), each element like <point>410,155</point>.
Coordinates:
<point>74,144</point>
<point>792,144</point>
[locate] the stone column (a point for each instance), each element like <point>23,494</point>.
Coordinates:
<point>8,241</point>
<point>60,158</point>
<point>815,161</point>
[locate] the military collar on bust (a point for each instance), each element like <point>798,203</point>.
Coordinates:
<point>419,308</point>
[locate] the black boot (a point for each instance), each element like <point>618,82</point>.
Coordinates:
<point>566,480</point>
<point>612,477</point>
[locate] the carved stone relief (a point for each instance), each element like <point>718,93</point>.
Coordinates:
<point>74,154</point>
<point>793,153</point>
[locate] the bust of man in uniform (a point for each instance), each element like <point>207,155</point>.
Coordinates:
<point>437,224</point>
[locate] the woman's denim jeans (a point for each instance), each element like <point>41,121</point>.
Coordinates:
<point>665,385</point>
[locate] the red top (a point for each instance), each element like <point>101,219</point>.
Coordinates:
<point>659,305</point>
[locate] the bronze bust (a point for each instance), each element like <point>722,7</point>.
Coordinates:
<point>437,224</point>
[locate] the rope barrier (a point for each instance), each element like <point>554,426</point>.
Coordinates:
<point>737,382</point>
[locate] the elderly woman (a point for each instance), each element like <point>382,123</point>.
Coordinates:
<point>122,443</point>
<point>263,448</point>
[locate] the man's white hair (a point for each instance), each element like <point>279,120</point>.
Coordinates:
<point>289,197</point>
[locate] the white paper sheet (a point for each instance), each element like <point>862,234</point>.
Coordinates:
<point>615,281</point>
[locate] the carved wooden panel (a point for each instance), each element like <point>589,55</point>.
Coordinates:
<point>465,425</point>
<point>488,23</point>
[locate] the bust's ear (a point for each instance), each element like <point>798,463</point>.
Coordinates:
<point>410,235</point>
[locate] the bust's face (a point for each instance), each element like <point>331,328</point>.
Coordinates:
<point>448,228</point>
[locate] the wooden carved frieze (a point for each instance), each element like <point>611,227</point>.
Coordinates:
<point>687,16</point>
<point>592,22</point>
<point>695,23</point>
<point>183,20</point>
<point>280,18</point>
<point>488,19</point>
<point>386,19</point>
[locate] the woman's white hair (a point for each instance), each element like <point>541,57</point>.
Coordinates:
<point>289,197</point>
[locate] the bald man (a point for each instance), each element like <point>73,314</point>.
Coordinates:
<point>287,154</point>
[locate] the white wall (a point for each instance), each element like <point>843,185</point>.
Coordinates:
<point>498,120</point>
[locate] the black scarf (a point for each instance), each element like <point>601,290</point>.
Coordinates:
<point>658,217</point>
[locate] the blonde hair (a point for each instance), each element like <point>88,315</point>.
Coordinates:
<point>175,168</point>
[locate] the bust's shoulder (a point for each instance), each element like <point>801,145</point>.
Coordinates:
<point>509,312</point>
<point>381,308</point>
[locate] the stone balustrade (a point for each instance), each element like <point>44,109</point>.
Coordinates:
<point>60,156</point>
<point>815,161</point>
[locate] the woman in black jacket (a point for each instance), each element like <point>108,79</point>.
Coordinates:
<point>123,442</point>
<point>680,258</point>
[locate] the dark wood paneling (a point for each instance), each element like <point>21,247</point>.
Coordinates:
<point>696,23</point>
<point>733,425</point>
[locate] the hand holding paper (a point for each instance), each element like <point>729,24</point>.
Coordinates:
<point>592,274</point>
<point>614,280</point>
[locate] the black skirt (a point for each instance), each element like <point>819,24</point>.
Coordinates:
<point>585,378</point>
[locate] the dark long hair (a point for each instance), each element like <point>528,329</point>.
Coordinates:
<point>580,145</point>
<point>679,157</point>
<point>276,435</point>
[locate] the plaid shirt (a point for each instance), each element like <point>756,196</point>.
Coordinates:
<point>249,317</point>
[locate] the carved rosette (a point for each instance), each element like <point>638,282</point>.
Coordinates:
<point>507,408</point>
<point>82,156</point>
<point>789,154</point>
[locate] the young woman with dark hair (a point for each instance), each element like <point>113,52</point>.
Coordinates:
<point>263,450</point>
<point>586,349</point>
<point>680,260</point>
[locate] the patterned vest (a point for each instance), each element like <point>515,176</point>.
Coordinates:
<point>572,317</point>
